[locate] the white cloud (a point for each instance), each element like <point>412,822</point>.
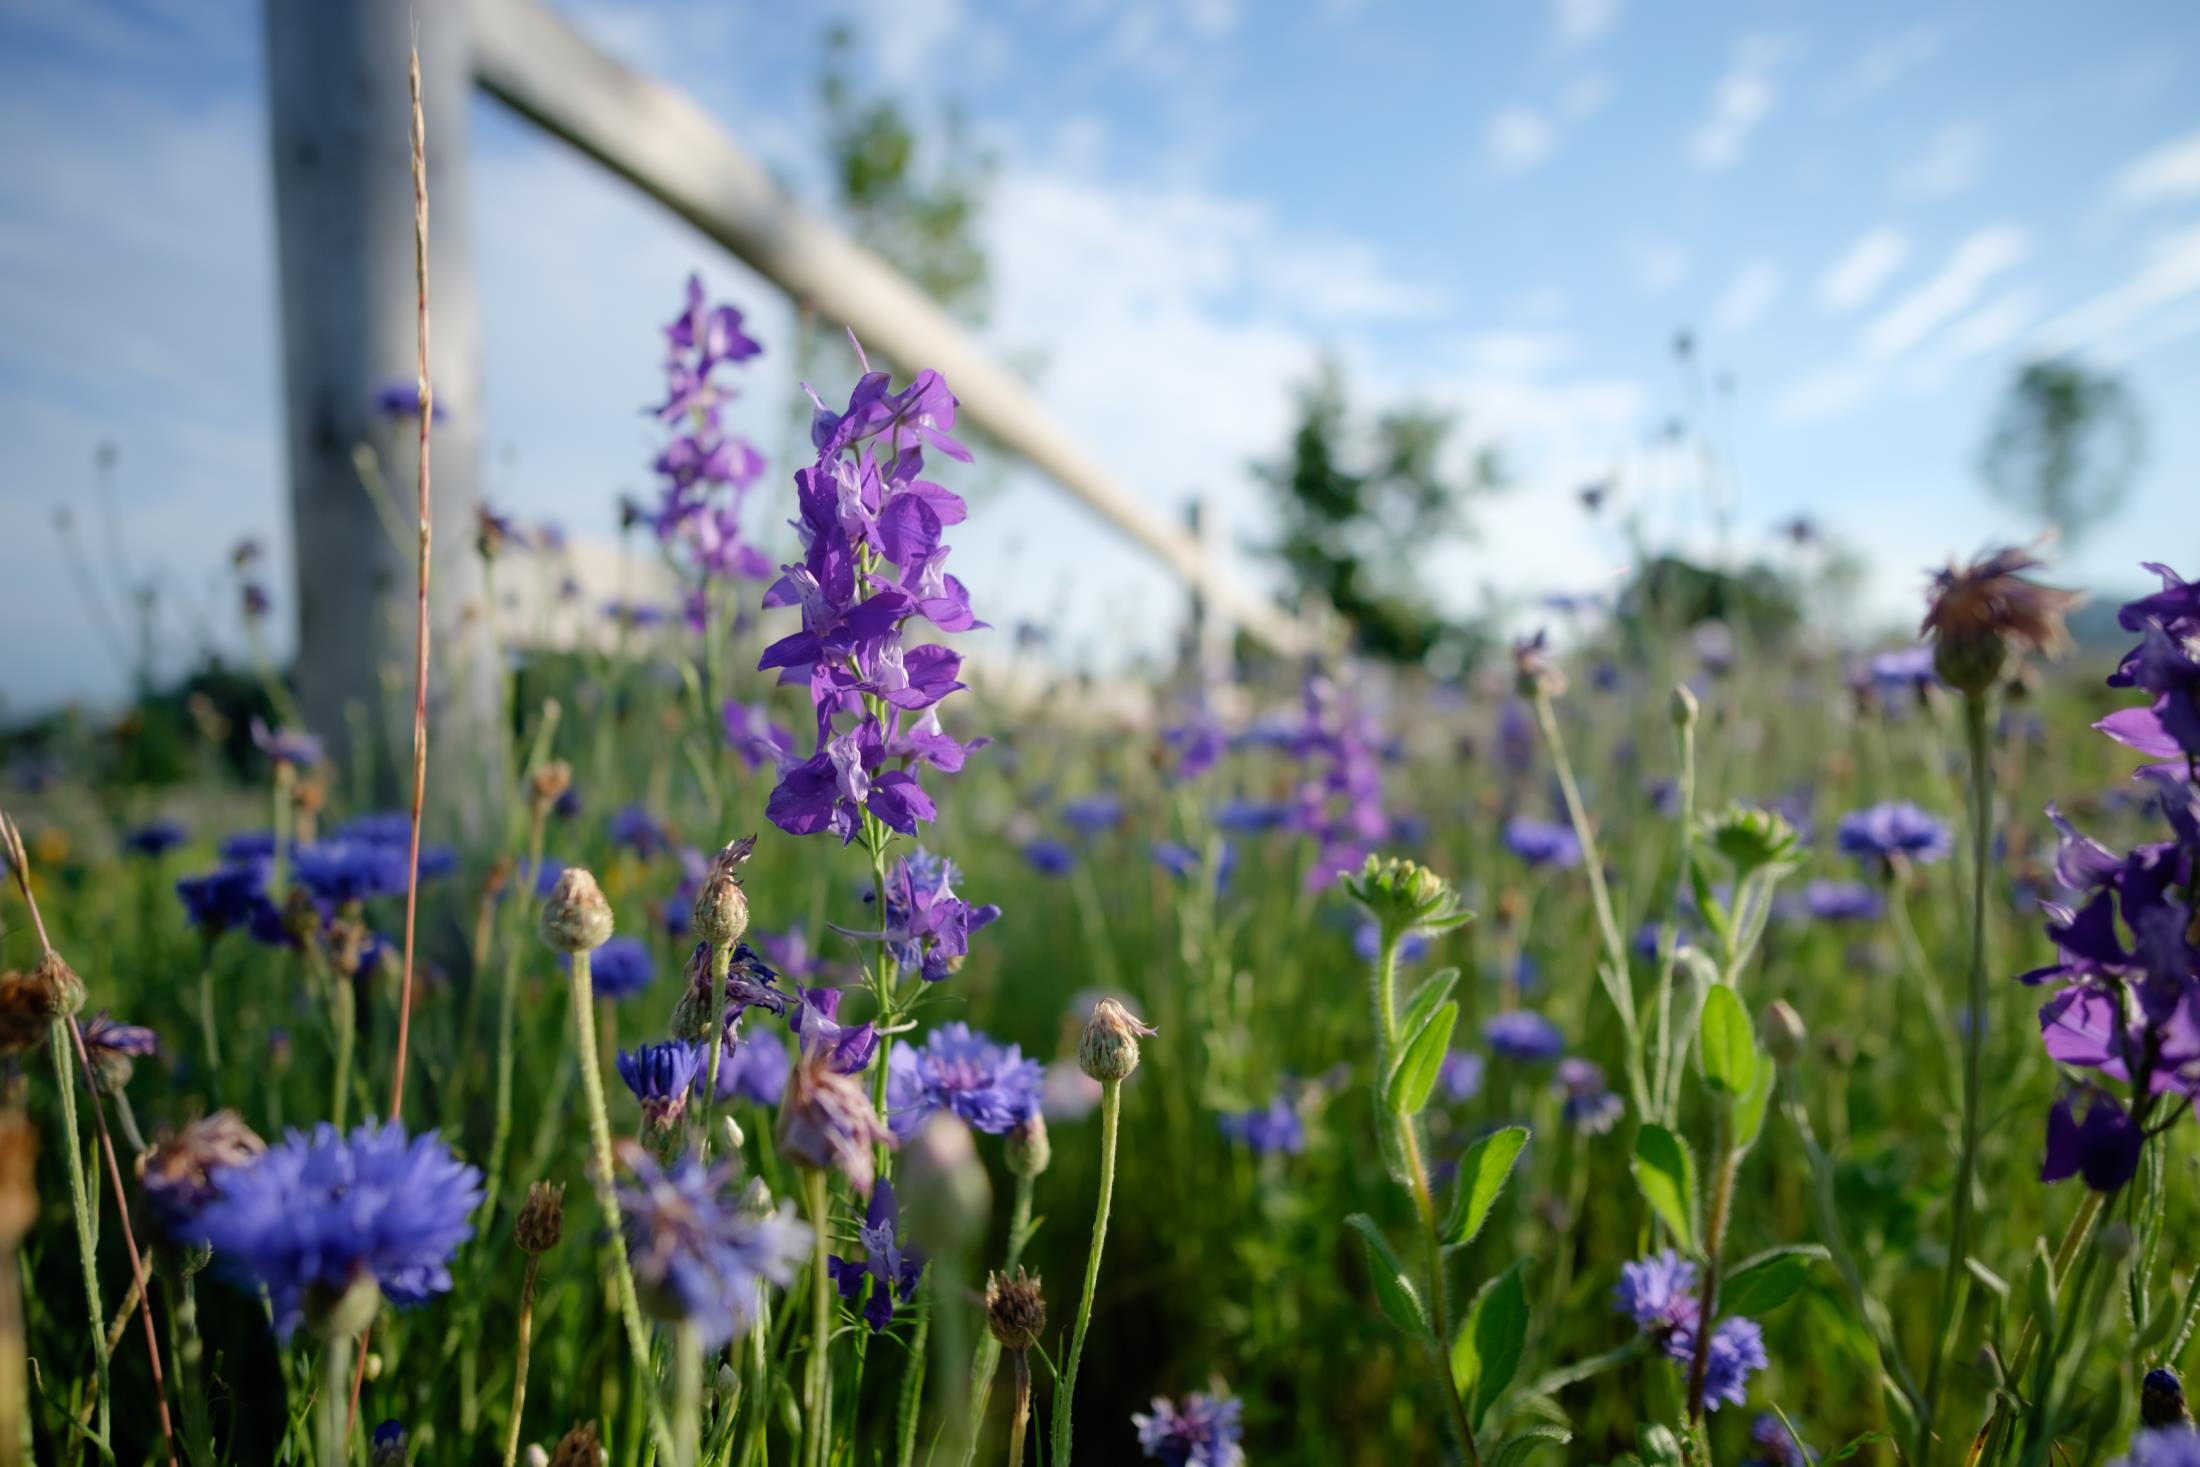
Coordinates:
<point>1863,268</point>
<point>2163,175</point>
<point>1826,393</point>
<point>1213,19</point>
<point>1584,97</point>
<point>2171,272</point>
<point>1742,98</point>
<point>1516,353</point>
<point>1580,22</point>
<point>1886,62</point>
<point>1746,300</point>
<point>1659,266</point>
<point>1948,165</point>
<point>1974,264</point>
<point>1545,303</point>
<point>1518,139</point>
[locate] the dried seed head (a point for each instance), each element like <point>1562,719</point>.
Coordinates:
<point>541,1220</point>
<point>348,940</point>
<point>58,986</point>
<point>18,1177</point>
<point>826,1119</point>
<point>178,1171</point>
<point>1109,1049</point>
<point>1536,672</point>
<point>548,784</point>
<point>721,913</point>
<point>1984,611</point>
<point>1015,1310</point>
<point>578,1448</point>
<point>1027,1149</point>
<point>25,1021</point>
<point>576,919</point>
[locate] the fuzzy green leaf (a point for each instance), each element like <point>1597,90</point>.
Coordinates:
<point>1761,1284</point>
<point>1728,1043</point>
<point>1491,1340</point>
<point>1527,1441</point>
<point>1482,1173</point>
<point>1425,999</point>
<point>1393,1288</point>
<point>1667,1176</point>
<point>1414,1076</point>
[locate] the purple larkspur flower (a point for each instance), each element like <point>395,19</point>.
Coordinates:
<point>891,1270</point>
<point>1879,834</point>
<point>661,1077</point>
<point>1204,1432</point>
<point>2091,1135</point>
<point>754,1068</point>
<point>1270,1130</point>
<point>1542,842</point>
<point>826,1119</point>
<point>1199,744</point>
<point>1590,1106</point>
<point>927,927</point>
<point>1524,1036</point>
<point>815,1021</point>
<point>988,1084</point>
<point>701,1254</point>
<point>790,953</point>
<point>315,1212</point>
<point>752,734</point>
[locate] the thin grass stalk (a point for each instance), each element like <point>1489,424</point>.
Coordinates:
<point>989,1349</point>
<point>1714,1247</point>
<point>818,1389</point>
<point>1111,1111</point>
<point>87,1247</point>
<point>522,1348</point>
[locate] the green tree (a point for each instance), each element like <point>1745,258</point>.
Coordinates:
<point>1361,506</point>
<point>2064,445</point>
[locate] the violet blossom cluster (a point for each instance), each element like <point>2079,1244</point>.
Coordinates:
<point>1339,800</point>
<point>2126,980</point>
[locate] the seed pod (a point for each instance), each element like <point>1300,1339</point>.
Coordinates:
<point>721,913</point>
<point>1109,1049</point>
<point>576,919</point>
<point>1027,1149</point>
<point>59,987</point>
<point>541,1220</point>
<point>1015,1310</point>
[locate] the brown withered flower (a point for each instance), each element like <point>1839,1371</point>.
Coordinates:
<point>1982,612</point>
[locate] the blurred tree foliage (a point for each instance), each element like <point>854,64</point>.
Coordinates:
<point>1361,505</point>
<point>2064,445</point>
<point>1669,594</point>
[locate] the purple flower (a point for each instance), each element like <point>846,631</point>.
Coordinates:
<point>106,1035</point>
<point>1878,835</point>
<point>155,838</point>
<point>230,897</point>
<point>1911,668</point>
<point>637,830</point>
<point>1367,943</point>
<point>342,871</point>
<point>892,1270</point>
<point>1250,817</point>
<point>1542,843</point>
<point>1589,1106</point>
<point>313,1213</point>
<point>831,789</point>
<point>1737,1351</point>
<point>826,1120</point>
<point>753,735</point>
<point>1204,1432</point>
<point>988,1084</point>
<point>661,1076</point>
<point>1049,857</point>
<point>621,968</point>
<point>755,1069</point>
<point>2166,1446</point>
<point>1842,901</point>
<point>1200,742</point>
<point>2101,1145</point>
<point>1094,814</point>
<point>1461,1075</point>
<point>846,1048</point>
<point>1776,1445</point>
<point>700,1255</point>
<point>1657,1292</point>
<point>928,927</point>
<point>1525,1036</point>
<point>1274,1129</point>
<point>400,402</point>
<point>291,746</point>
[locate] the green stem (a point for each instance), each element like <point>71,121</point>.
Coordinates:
<point>522,896</point>
<point>1667,1071</point>
<point>344,1013</point>
<point>721,963</point>
<point>1020,1417</point>
<point>1714,1245</point>
<point>818,1397</point>
<point>687,1411</point>
<point>912,1393</point>
<point>335,1397</point>
<point>1955,1274</point>
<point>607,1192</point>
<point>524,1347</point>
<point>209,1031</point>
<point>1111,1109</point>
<point>1424,1203</point>
<point>989,1349</point>
<point>59,1045</point>
<point>189,1349</point>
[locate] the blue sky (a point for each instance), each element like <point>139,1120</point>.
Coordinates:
<point>1867,214</point>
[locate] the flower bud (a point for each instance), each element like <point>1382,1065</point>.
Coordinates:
<point>1015,1310</point>
<point>1109,1049</point>
<point>1785,1036</point>
<point>721,912</point>
<point>1027,1149</point>
<point>548,784</point>
<point>1682,707</point>
<point>58,986</point>
<point>576,919</point>
<point>578,1448</point>
<point>541,1220</point>
<point>945,1194</point>
<point>347,945</point>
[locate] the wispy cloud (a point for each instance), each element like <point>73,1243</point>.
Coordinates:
<point>1659,265</point>
<point>1585,97</point>
<point>1742,98</point>
<point>2171,272</point>
<point>1851,281</point>
<point>1519,139</point>
<point>1949,164</point>
<point>1973,265</point>
<point>1744,302</point>
<point>1580,22</point>
<point>1887,61</point>
<point>2162,175</point>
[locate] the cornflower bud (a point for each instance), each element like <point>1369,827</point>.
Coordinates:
<point>2162,1399</point>
<point>388,1447</point>
<point>58,986</point>
<point>1109,1048</point>
<point>1785,1036</point>
<point>1682,708</point>
<point>576,919</point>
<point>541,1220</point>
<point>721,912</point>
<point>1015,1310</point>
<point>1535,672</point>
<point>1027,1149</point>
<point>347,943</point>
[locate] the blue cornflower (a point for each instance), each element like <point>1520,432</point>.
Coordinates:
<point>394,828</point>
<point>1542,842</point>
<point>639,831</point>
<point>1876,836</point>
<point>621,968</point>
<point>1737,1351</point>
<point>155,838</point>
<point>1461,1075</point>
<point>1841,901</point>
<point>1776,1445</point>
<point>546,876</point>
<point>1205,1432</point>
<point>1094,814</point>
<point>226,898</point>
<point>1910,668</point>
<point>316,1213</point>
<point>893,1269</point>
<point>341,871</point>
<point>700,1255</point>
<point>1250,817</point>
<point>1590,1107</point>
<point>989,1084</point>
<point>287,746</point>
<point>248,845</point>
<point>1523,1035</point>
<point>2168,1446</point>
<point>661,1075</point>
<point>1049,857</point>
<point>1656,1292</point>
<point>1184,863</point>
<point>1272,1129</point>
<point>755,1069</point>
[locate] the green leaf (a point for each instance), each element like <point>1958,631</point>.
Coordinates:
<point>1762,1283</point>
<point>1491,1340</point>
<point>1482,1173</point>
<point>1667,1176</point>
<point>1417,1068</point>
<point>1527,1441</point>
<point>2039,1281</point>
<point>1425,999</point>
<point>1658,1446</point>
<point>1728,1043</point>
<point>1749,1111</point>
<point>1854,1445</point>
<point>1393,1289</point>
<point>1699,882</point>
